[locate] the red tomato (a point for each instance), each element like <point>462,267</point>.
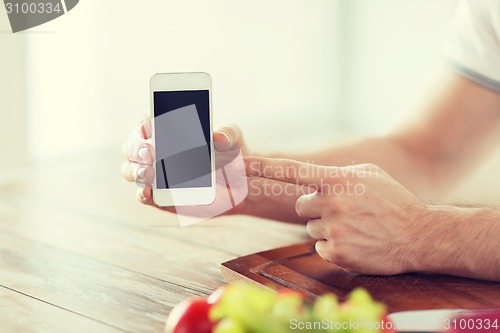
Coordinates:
<point>190,316</point>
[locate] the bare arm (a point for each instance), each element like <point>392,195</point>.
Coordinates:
<point>459,241</point>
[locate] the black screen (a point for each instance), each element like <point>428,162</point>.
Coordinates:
<point>182,139</point>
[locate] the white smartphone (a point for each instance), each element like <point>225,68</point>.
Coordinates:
<point>181,114</point>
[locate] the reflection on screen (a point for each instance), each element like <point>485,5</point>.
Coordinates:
<point>182,139</point>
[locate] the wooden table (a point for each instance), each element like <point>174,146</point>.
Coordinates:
<point>79,254</point>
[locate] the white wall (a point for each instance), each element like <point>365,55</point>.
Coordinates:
<point>272,63</point>
<point>13,142</point>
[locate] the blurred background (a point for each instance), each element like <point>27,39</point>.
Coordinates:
<point>291,73</point>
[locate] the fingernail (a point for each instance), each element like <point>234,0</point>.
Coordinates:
<point>141,173</point>
<point>143,153</point>
<point>226,136</point>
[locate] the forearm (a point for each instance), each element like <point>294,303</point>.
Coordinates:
<point>454,128</point>
<point>458,241</point>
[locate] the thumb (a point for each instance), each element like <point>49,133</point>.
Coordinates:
<point>228,137</point>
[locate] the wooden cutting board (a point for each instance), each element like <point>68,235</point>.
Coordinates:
<point>300,268</point>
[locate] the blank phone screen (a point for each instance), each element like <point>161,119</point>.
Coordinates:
<point>182,139</point>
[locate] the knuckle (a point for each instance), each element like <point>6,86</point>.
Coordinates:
<point>319,248</point>
<point>300,205</point>
<point>345,205</point>
<point>311,229</point>
<point>333,253</point>
<point>370,167</point>
<point>326,251</point>
<point>330,256</point>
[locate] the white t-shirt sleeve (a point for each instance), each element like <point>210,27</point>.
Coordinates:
<point>473,46</point>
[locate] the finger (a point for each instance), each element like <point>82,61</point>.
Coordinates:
<point>316,229</point>
<point>308,206</point>
<point>133,144</point>
<point>290,171</point>
<point>326,250</point>
<point>228,137</point>
<point>139,152</point>
<point>323,249</point>
<point>139,173</point>
<point>221,137</point>
<point>145,195</point>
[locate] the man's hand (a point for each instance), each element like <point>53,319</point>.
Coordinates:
<point>364,221</point>
<point>140,155</point>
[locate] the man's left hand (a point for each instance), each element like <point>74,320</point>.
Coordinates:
<point>364,220</point>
